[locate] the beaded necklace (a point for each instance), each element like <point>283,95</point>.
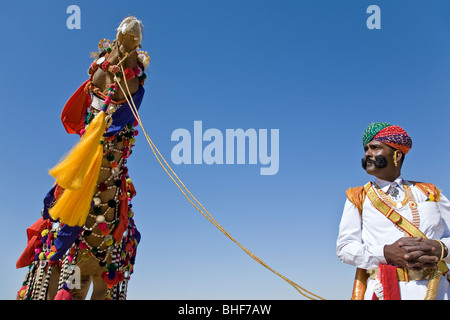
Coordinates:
<point>392,203</point>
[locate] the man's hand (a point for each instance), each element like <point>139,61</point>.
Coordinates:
<point>413,253</point>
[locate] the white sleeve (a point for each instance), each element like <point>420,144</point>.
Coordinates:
<point>350,247</point>
<point>444,208</point>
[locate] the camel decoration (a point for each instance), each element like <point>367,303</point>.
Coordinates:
<point>87,233</point>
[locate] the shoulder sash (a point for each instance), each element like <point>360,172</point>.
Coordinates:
<point>357,195</point>
<point>397,218</point>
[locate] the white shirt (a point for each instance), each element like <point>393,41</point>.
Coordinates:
<point>361,240</point>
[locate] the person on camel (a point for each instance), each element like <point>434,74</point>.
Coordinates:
<point>396,232</point>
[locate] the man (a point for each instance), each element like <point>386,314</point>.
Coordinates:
<point>396,232</point>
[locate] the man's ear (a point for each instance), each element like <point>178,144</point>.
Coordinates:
<point>399,156</point>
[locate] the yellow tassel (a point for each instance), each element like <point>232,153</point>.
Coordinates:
<point>74,205</point>
<point>71,170</point>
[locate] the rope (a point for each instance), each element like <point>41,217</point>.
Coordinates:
<point>199,206</point>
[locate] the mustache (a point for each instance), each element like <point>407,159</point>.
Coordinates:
<point>379,162</point>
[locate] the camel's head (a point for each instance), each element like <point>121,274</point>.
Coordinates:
<point>129,34</point>
<point>123,51</point>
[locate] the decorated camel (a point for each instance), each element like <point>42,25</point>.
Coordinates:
<point>86,234</point>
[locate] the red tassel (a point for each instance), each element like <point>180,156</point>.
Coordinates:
<point>63,294</point>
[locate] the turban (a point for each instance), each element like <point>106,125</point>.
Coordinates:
<point>394,136</point>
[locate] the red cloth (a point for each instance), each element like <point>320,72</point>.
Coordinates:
<point>387,275</point>
<point>33,233</point>
<point>75,108</point>
<point>120,229</point>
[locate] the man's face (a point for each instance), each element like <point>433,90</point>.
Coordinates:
<point>378,158</point>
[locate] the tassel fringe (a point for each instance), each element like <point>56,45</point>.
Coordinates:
<point>73,206</point>
<point>78,174</point>
<point>71,170</point>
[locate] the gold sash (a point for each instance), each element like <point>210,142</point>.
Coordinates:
<point>397,219</point>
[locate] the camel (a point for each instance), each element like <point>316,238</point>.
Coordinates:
<point>64,258</point>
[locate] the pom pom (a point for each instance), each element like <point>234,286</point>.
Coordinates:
<point>105,65</point>
<point>50,254</point>
<point>109,241</point>
<point>114,69</point>
<point>143,77</point>
<point>102,226</point>
<point>112,282</point>
<point>21,292</point>
<point>94,66</point>
<point>125,153</point>
<point>129,73</point>
<point>97,210</point>
<point>64,294</point>
<point>137,71</point>
<point>82,245</point>
<point>112,203</point>
<point>112,267</point>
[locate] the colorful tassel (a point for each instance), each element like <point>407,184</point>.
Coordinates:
<point>78,172</point>
<point>70,172</point>
<point>73,206</point>
<point>64,294</point>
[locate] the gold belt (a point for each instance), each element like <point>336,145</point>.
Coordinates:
<point>404,274</point>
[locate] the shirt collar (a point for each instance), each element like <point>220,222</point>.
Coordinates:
<point>384,185</point>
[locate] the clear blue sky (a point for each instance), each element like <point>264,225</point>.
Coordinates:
<point>311,69</point>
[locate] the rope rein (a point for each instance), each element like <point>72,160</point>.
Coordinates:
<point>197,204</point>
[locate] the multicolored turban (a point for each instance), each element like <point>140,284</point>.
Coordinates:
<point>394,136</point>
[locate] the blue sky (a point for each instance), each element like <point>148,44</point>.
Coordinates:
<point>311,69</point>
